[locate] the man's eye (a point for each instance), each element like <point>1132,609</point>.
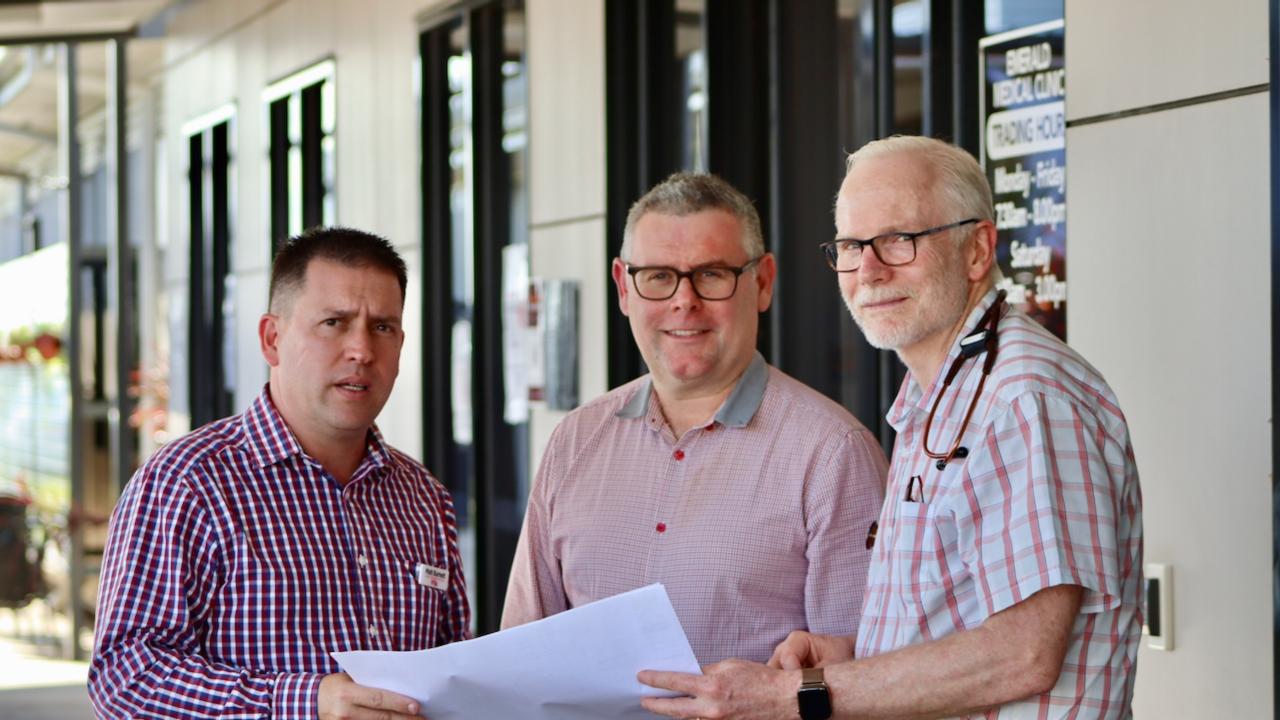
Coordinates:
<point>330,322</point>
<point>900,239</point>
<point>659,276</point>
<point>713,273</point>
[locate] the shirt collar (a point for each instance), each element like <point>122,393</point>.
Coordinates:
<point>736,411</point>
<point>910,396</point>
<point>270,440</point>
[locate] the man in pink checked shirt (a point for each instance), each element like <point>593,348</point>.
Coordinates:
<point>747,494</point>
<point>1006,575</point>
<point>243,553</point>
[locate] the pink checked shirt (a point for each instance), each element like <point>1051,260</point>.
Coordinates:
<point>235,564</point>
<point>1047,496</point>
<point>755,522</point>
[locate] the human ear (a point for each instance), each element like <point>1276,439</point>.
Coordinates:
<point>619,272</point>
<point>269,338</point>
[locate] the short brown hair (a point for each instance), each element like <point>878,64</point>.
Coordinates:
<point>343,245</point>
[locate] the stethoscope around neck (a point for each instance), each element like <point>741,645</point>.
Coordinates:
<point>984,339</point>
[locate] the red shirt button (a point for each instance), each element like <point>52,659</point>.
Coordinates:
<point>679,455</point>
<point>662,527</point>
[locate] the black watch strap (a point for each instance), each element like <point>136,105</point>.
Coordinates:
<point>813,697</point>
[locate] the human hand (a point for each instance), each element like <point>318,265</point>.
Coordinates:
<point>340,698</point>
<point>733,689</point>
<point>805,649</point>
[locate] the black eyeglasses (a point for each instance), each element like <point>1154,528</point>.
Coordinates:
<point>898,248</point>
<point>711,282</point>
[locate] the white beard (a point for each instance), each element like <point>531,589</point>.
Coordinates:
<point>935,307</point>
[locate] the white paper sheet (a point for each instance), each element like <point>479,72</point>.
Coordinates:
<point>579,664</point>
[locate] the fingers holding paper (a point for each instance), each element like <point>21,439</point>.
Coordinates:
<point>733,689</point>
<point>341,698</point>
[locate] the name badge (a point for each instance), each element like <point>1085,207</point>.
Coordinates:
<point>431,576</point>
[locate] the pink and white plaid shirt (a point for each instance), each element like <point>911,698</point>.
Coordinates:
<point>755,522</point>
<point>235,564</point>
<point>1047,496</point>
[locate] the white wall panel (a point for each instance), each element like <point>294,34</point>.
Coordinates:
<point>251,367</point>
<point>1130,54</point>
<point>566,109</point>
<point>401,419</point>
<point>1168,265</point>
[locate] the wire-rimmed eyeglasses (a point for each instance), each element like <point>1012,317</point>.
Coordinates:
<point>710,282</point>
<point>892,249</point>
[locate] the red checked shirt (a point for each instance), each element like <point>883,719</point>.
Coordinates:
<point>1047,496</point>
<point>235,564</point>
<point>755,522</point>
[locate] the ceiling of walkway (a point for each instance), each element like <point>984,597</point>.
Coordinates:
<point>30,36</point>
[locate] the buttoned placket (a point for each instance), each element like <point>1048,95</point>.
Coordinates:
<point>674,487</point>
<point>362,539</point>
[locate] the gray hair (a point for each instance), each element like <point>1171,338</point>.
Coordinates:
<point>960,179</point>
<point>686,193</point>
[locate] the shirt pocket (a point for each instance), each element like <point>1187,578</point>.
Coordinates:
<point>414,606</point>
<point>915,576</point>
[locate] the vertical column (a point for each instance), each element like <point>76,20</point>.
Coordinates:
<point>69,167</point>
<point>498,521</point>
<point>806,170</point>
<point>121,299</point>
<point>1274,102</point>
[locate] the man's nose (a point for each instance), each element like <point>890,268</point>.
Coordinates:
<point>359,345</point>
<point>686,297</point>
<point>871,267</point>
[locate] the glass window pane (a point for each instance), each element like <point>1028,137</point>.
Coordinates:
<point>1003,15</point>
<point>909,19</point>
<point>691,58</point>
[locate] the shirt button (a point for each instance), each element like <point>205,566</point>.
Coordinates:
<point>373,631</point>
<point>362,561</point>
<point>662,527</point>
<point>678,455</point>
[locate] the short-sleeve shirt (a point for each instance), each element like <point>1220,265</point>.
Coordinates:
<point>1048,495</point>
<point>755,522</point>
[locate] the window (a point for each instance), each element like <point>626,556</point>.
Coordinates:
<point>301,116</point>
<point>474,205</point>
<point>211,348</point>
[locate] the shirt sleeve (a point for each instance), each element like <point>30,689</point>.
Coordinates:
<point>841,501</point>
<point>160,568</point>
<point>536,587</point>
<point>455,617</point>
<point>1046,504</point>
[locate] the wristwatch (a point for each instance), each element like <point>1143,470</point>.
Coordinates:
<point>813,698</point>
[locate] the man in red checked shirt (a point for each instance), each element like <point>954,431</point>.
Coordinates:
<point>243,553</point>
<point>744,492</point>
<point>1005,580</point>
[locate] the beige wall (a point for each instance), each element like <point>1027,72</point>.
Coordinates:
<point>1168,265</point>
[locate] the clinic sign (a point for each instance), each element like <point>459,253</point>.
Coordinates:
<point>1024,130</point>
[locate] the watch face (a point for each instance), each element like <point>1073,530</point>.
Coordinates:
<point>815,703</point>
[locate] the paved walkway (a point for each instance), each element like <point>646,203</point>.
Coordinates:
<point>36,683</point>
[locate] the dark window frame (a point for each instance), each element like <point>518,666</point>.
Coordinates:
<point>496,491</point>
<point>209,173</point>
<point>305,87</point>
